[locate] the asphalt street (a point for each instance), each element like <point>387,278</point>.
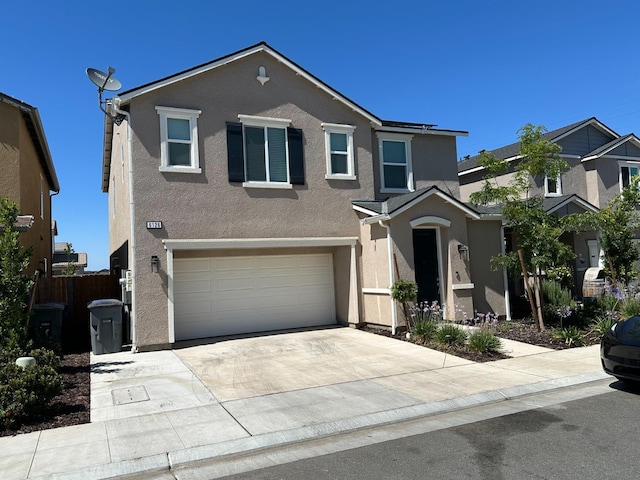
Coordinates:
<point>587,432</point>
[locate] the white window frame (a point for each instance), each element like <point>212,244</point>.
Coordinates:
<point>41,196</point>
<point>396,137</point>
<point>558,191</point>
<point>182,114</point>
<point>266,122</point>
<point>347,130</point>
<point>621,165</point>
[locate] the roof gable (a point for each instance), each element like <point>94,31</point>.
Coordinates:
<point>560,135</point>
<point>124,97</point>
<point>627,146</point>
<point>394,206</point>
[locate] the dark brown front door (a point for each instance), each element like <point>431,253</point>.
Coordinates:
<point>425,258</point>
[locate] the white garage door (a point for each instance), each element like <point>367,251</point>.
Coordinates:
<point>229,295</point>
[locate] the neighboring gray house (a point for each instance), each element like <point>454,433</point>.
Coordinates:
<point>601,163</point>
<point>66,261</point>
<point>246,195</point>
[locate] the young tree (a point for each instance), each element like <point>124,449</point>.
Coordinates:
<point>71,266</point>
<point>616,224</point>
<point>537,233</point>
<point>14,284</point>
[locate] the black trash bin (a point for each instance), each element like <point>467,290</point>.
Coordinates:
<point>105,325</point>
<point>45,323</point>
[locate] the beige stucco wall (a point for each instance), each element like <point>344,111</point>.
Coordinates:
<point>484,243</point>
<point>206,205</point>
<point>119,205</point>
<point>20,180</point>
<point>473,182</point>
<point>376,279</point>
<point>454,270</point>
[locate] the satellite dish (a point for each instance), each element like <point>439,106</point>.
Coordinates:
<point>104,81</point>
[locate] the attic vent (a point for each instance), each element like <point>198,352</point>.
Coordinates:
<point>262,75</point>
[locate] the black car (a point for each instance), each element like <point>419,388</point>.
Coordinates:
<point>620,350</point>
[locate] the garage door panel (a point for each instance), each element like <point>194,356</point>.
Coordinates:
<point>230,284</point>
<point>192,286</point>
<point>194,308</point>
<point>183,265</point>
<point>282,281</point>
<point>252,294</point>
<point>234,265</point>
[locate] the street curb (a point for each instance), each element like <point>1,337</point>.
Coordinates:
<point>182,458</point>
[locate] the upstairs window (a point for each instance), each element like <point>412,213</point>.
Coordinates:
<point>552,187</point>
<point>628,171</point>
<point>265,153</point>
<point>395,163</point>
<point>340,154</point>
<point>179,140</point>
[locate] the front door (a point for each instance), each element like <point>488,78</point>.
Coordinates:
<point>425,258</point>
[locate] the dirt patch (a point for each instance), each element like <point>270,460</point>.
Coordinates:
<point>72,406</point>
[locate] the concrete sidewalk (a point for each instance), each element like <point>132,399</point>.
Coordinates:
<point>162,410</point>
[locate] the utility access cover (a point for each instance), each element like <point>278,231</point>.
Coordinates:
<point>123,396</point>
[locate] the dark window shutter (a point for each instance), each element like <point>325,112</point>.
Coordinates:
<point>235,152</point>
<point>296,156</point>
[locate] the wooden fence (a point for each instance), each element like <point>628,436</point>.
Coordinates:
<point>76,291</point>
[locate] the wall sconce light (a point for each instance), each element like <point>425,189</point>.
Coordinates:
<point>155,263</point>
<point>463,250</point>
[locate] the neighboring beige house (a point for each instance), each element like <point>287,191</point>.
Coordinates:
<point>601,163</point>
<point>66,261</point>
<point>246,195</point>
<point>27,177</point>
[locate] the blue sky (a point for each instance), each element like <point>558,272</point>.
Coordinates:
<point>485,67</point>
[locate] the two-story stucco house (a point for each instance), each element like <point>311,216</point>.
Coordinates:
<point>601,162</point>
<point>247,195</point>
<point>27,177</point>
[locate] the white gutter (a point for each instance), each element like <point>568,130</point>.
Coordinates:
<point>132,245</point>
<point>394,319</point>
<point>505,280</point>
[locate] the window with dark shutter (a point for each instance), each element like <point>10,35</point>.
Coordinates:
<point>235,152</point>
<point>296,156</point>
<point>265,152</point>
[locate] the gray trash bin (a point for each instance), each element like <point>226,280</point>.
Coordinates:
<point>105,321</point>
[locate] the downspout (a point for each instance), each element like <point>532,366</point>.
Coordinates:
<point>394,320</point>
<point>132,264</point>
<point>505,280</point>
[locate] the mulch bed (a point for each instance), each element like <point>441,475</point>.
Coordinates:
<point>519,330</point>
<point>72,406</point>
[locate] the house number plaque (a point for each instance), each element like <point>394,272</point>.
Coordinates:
<point>154,225</point>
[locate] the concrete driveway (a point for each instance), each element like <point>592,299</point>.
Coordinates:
<point>238,368</point>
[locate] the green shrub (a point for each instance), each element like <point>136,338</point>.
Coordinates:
<point>26,393</point>
<point>603,324</point>
<point>404,291</point>
<point>554,294</point>
<point>425,330</point>
<point>630,307</point>
<point>608,303</point>
<point>42,355</point>
<point>484,341</point>
<point>451,335</point>
<point>572,336</point>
